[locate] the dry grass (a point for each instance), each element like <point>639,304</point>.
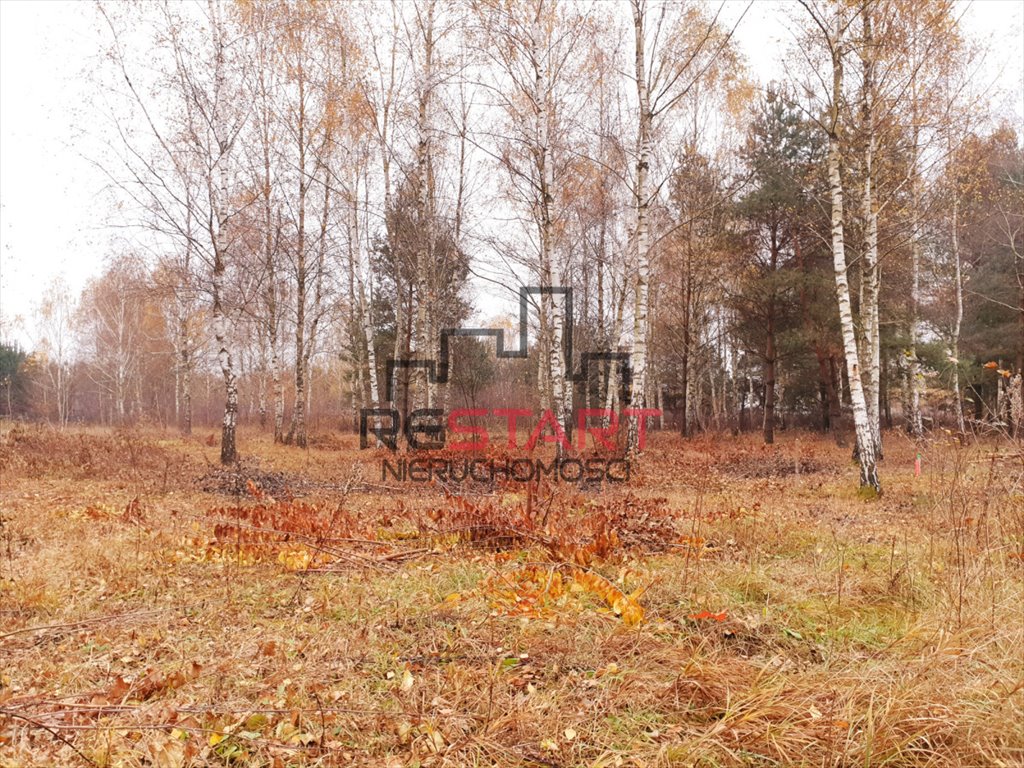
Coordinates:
<point>787,621</point>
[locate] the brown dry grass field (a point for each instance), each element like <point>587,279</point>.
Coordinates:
<point>732,605</point>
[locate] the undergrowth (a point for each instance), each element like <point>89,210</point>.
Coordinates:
<point>720,610</point>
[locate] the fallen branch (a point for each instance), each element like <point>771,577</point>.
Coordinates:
<point>82,623</point>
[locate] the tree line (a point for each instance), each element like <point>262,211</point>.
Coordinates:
<point>310,189</point>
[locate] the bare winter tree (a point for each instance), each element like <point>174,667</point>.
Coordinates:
<point>676,47</point>
<point>184,175</point>
<point>55,322</point>
<point>536,52</point>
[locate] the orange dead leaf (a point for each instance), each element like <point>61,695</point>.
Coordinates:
<point>269,648</point>
<point>622,605</point>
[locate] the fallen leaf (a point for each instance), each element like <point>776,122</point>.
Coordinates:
<point>167,752</point>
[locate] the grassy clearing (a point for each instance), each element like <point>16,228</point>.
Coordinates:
<point>786,621</point>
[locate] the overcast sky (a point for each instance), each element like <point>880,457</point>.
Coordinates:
<point>53,208</point>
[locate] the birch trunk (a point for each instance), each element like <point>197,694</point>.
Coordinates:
<point>612,394</point>
<point>862,423</point>
<point>916,424</point>
<point>687,301</point>
<point>314,323</point>
<point>184,304</point>
<point>555,306</point>
<point>297,429</point>
<point>371,353</point>
<point>185,360</point>
<point>958,318</point>
<point>424,254</point>
<point>384,131</point>
<point>543,356</point>
<point>273,327</point>
<point>870,270</point>
<point>641,203</point>
<point>552,309</point>
<point>222,335</point>
<point>270,253</point>
<point>222,326</point>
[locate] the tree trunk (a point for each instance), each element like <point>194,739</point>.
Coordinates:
<point>870,271</point>
<point>958,318</point>
<point>310,340</point>
<point>552,308</point>
<point>221,332</point>
<point>1018,380</point>
<point>684,368</point>
<point>916,424</point>
<point>425,212</point>
<point>612,392</point>
<point>641,205</point>
<point>769,383</point>
<point>769,350</point>
<point>886,402</point>
<point>297,429</point>
<point>862,423</point>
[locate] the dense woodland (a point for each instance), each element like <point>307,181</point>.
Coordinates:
<point>308,190</point>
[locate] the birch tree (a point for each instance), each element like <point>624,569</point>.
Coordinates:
<point>535,49</point>
<point>55,322</point>
<point>675,49</point>
<point>870,277</point>
<point>383,86</point>
<point>425,41</point>
<point>190,171</point>
<point>260,21</point>
<point>306,122</point>
<point>832,30</point>
<point>112,309</point>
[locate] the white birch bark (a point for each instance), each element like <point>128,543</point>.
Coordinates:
<point>183,402</point>
<point>371,353</point>
<point>612,394</point>
<point>958,316</point>
<point>861,419</point>
<point>916,424</point>
<point>871,276</point>
<point>638,358</point>
<point>553,309</point>
<point>424,254</point>
<point>297,428</point>
<point>270,243</point>
<point>218,191</point>
<point>316,310</point>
